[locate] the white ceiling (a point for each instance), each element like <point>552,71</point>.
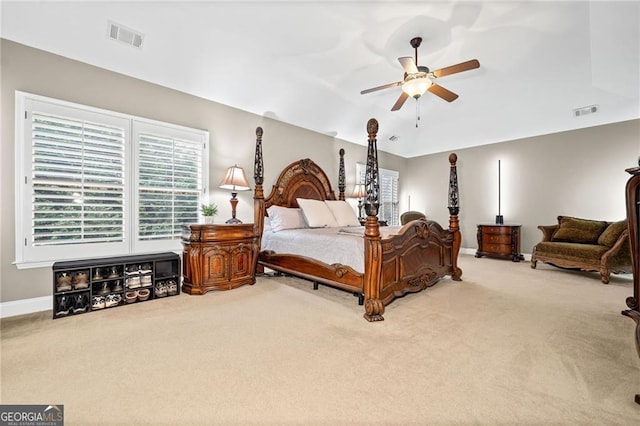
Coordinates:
<point>305,62</point>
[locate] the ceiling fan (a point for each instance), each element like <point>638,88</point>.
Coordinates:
<point>419,79</point>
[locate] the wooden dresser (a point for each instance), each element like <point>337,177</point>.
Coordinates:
<point>218,257</point>
<point>500,241</point>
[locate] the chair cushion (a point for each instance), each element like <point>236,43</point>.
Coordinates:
<point>576,230</point>
<point>612,233</point>
<point>579,252</point>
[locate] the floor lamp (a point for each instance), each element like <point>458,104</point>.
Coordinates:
<point>235,180</point>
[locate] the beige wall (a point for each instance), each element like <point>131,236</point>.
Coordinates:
<point>232,138</point>
<point>579,173</point>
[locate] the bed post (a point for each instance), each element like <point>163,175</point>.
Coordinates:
<point>258,197</point>
<point>454,209</point>
<point>374,308</point>
<point>341,178</point>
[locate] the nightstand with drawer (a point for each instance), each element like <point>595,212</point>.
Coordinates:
<point>499,241</point>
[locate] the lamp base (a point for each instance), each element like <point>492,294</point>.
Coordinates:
<point>499,220</point>
<point>233,221</point>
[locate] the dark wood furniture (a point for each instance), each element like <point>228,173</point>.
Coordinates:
<point>418,256</point>
<point>633,220</point>
<point>86,285</point>
<point>218,257</point>
<point>499,241</point>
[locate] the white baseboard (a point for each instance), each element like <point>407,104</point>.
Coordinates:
<point>25,306</point>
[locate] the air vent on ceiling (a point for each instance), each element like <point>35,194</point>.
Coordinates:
<point>393,138</point>
<point>578,112</point>
<point>123,34</point>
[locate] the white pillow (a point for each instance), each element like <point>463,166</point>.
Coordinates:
<point>316,213</point>
<point>343,212</point>
<point>282,218</point>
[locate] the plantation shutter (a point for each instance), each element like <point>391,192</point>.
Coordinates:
<point>388,182</point>
<point>170,182</point>
<point>389,210</point>
<point>77,174</point>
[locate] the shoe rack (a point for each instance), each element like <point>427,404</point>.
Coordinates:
<point>82,286</point>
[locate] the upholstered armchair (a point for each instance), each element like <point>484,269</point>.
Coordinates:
<point>410,215</point>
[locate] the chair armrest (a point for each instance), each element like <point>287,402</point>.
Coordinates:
<point>616,247</point>
<point>547,231</point>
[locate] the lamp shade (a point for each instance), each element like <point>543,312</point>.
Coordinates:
<point>359,191</point>
<point>416,86</point>
<point>235,179</point>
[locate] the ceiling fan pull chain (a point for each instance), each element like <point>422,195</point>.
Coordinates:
<point>417,113</point>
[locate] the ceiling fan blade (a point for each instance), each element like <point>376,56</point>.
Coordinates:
<point>386,86</point>
<point>463,66</point>
<point>403,97</point>
<point>408,65</point>
<point>440,91</point>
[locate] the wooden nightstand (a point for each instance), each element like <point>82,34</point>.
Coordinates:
<point>218,257</point>
<point>500,241</point>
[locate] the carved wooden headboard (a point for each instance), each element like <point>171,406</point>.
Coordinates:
<point>300,179</point>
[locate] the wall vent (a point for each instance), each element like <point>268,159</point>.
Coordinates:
<point>578,112</point>
<point>123,34</point>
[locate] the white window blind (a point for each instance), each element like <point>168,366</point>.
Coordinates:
<point>388,210</point>
<point>77,177</point>
<point>170,185</point>
<point>97,183</point>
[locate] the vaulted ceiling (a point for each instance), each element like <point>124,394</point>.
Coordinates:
<point>305,62</point>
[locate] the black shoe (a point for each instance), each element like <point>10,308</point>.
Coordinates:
<point>64,306</point>
<point>81,303</point>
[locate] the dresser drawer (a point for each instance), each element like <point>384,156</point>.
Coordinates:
<point>504,230</point>
<point>497,239</point>
<point>497,248</point>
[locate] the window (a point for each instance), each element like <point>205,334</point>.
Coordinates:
<point>99,182</point>
<point>388,181</point>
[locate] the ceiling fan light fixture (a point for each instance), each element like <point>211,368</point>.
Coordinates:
<point>416,87</point>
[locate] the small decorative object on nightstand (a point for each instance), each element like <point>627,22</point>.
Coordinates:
<point>235,180</point>
<point>500,241</point>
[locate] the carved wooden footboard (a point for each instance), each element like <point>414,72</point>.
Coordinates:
<point>418,256</point>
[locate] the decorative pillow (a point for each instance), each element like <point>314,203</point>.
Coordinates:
<point>612,233</point>
<point>316,213</point>
<point>343,212</point>
<point>282,218</point>
<point>575,230</point>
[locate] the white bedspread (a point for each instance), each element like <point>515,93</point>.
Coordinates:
<point>327,245</point>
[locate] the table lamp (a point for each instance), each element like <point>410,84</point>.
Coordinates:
<point>235,180</point>
<point>359,192</point>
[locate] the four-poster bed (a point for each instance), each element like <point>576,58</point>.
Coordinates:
<point>411,258</point>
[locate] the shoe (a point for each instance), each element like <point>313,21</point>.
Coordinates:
<point>104,289</point>
<point>80,280</point>
<point>172,288</point>
<point>133,281</point>
<point>161,289</point>
<point>63,283</point>
<point>97,274</point>
<point>118,286</point>
<point>98,302</point>
<point>143,294</point>
<point>145,280</point>
<point>114,272</point>
<point>112,300</point>
<point>130,296</point>
<point>145,268</point>
<point>81,303</point>
<point>64,306</point>
<point>133,270</point>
